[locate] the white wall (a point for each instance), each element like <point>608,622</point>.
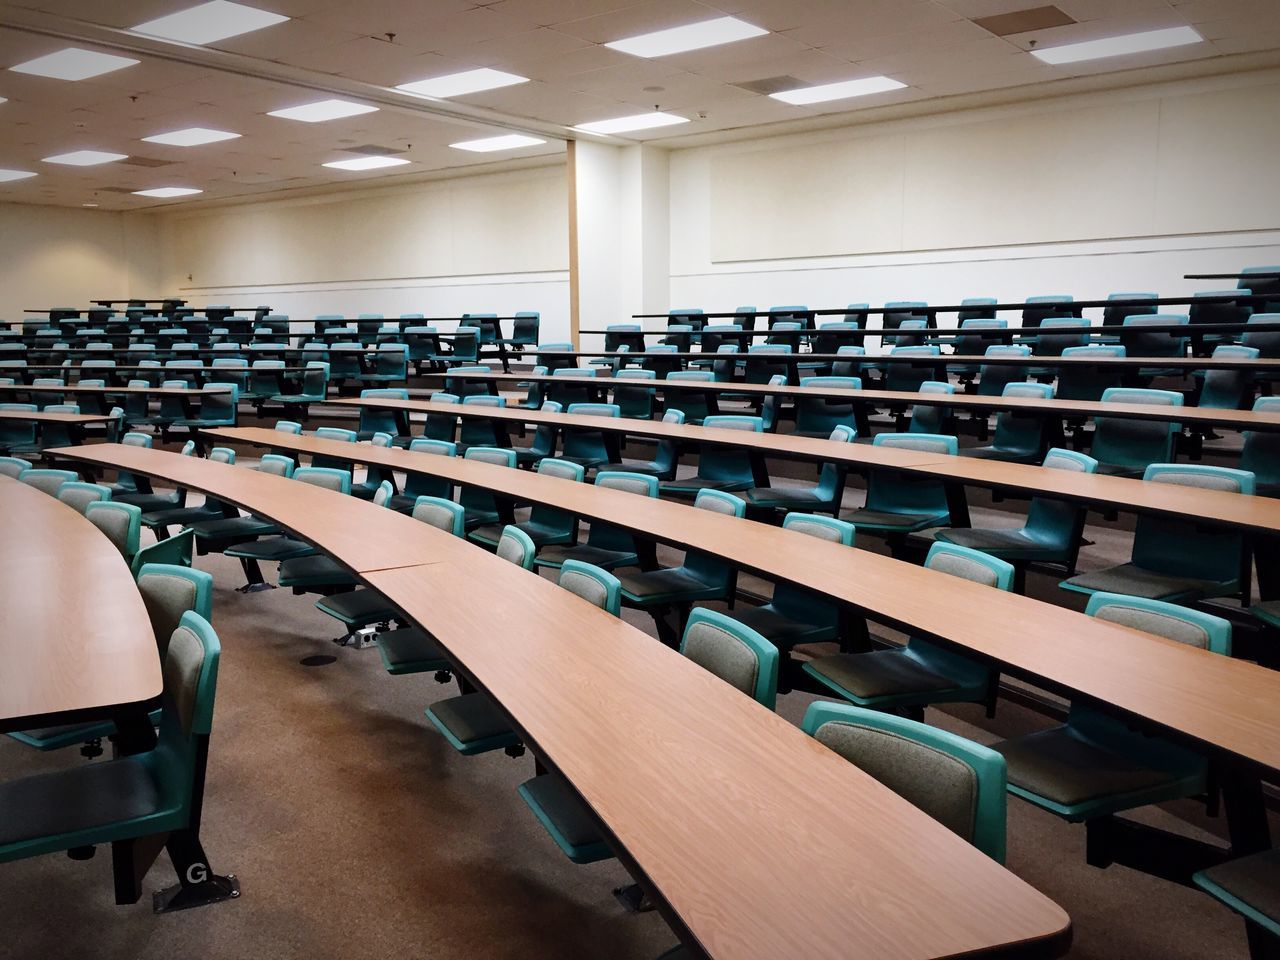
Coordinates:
<point>55,256</point>
<point>1100,193</point>
<point>492,243</point>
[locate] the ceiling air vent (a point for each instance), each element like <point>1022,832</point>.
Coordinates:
<point>146,162</point>
<point>771,85</point>
<point>1024,21</point>
<point>373,150</point>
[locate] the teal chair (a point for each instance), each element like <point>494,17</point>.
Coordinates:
<point>932,418</point>
<point>471,722</point>
<point>567,394</point>
<point>719,644</point>
<point>314,389</point>
<point>1248,886</point>
<point>795,615</point>
<point>316,572</point>
<point>535,392</point>
<point>168,592</point>
<point>481,431</point>
<point>418,484</point>
<point>1228,389</point>
<point>1261,452</point>
<point>1019,438</point>
<point>666,457</point>
<point>970,344</point>
<point>228,528</point>
<point>411,649</point>
<point>1125,447</point>
<point>46,480</point>
<point>1051,533</point>
<point>721,466</point>
<point>545,436</point>
<point>379,419</point>
<point>701,577</point>
<point>1175,558</point>
<point>910,677</point>
<point>606,546</point>
<point>959,783</point>
<point>390,364</point>
<point>13,467</point>
<point>171,551</point>
<point>1080,381</point>
<point>547,525</point>
<point>155,795</point>
<point>1140,342</point>
<point>587,448</point>
<point>823,497</point>
<point>898,503</point>
<point>78,495</point>
<point>818,416</point>
<point>635,400</point>
<point>360,608</point>
<point>482,509</point>
<point>1094,764</point>
<point>907,377</point>
<point>219,403</point>
<point>440,426</point>
<point>695,405</point>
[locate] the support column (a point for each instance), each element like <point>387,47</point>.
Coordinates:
<point>619,240</point>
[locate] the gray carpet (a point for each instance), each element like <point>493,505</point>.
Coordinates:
<point>357,831</point>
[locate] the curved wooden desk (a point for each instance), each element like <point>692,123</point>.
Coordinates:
<point>1230,706</point>
<point>77,642</point>
<point>720,804</point>
<point>1053,407</point>
<point>46,416</point>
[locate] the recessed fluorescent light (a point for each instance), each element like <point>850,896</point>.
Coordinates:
<point>460,84</point>
<point>74,64</point>
<point>86,158</point>
<point>1118,46</point>
<point>692,36</point>
<point>639,121</point>
<point>366,163</point>
<point>323,110</point>
<point>209,22</point>
<point>167,192</point>
<point>7,175</point>
<point>191,137</point>
<point>88,204</point>
<point>838,91</point>
<point>510,141</point>
<point>4,99</point>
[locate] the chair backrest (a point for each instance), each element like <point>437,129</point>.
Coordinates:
<point>502,456</point>
<point>80,495</point>
<point>1058,523</point>
<point>969,564</point>
<point>1132,443</point>
<point>563,469</point>
<point>924,442</point>
<point>1169,620</point>
<point>121,522</point>
<point>190,673</point>
<point>174,551</point>
<point>516,546</point>
<point>640,483</point>
<point>1227,389</point>
<point>824,528</point>
<point>593,584</point>
<point>442,514</point>
<point>1181,546</point>
<point>276,464</point>
<point>168,592</point>
<point>717,501</point>
<point>439,448</point>
<point>13,467</point>
<point>382,496</point>
<point>1261,452</point>
<point>47,481</point>
<point>330,478</point>
<point>733,652</point>
<point>959,783</point>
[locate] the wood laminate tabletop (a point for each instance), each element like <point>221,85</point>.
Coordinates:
<point>46,416</point>
<point>76,634</point>
<point>1207,416</point>
<point>73,388</point>
<point>740,821</point>
<point>1229,705</point>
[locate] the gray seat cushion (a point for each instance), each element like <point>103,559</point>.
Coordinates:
<point>1005,544</point>
<point>471,717</point>
<point>653,584</point>
<point>1135,581</point>
<point>410,647</point>
<point>780,629</point>
<point>79,798</point>
<point>881,673</point>
<point>271,549</point>
<point>607,559</point>
<point>785,496</point>
<point>570,817</point>
<point>1253,880</point>
<point>358,607</point>
<point>1062,767</point>
<point>314,569</point>
<point>233,527</point>
<point>903,521</point>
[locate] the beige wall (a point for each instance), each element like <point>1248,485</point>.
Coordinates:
<point>72,256</point>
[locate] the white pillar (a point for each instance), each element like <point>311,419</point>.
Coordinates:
<point>619,241</point>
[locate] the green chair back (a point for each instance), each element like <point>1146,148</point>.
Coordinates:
<point>593,584</point>
<point>121,522</point>
<point>734,652</point>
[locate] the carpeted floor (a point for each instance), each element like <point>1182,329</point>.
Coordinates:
<point>356,831</point>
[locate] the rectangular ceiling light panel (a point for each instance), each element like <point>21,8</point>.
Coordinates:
<point>511,141</point>
<point>460,84</point>
<point>323,110</point>
<point>639,121</point>
<point>838,91</point>
<point>366,163</point>
<point>692,36</point>
<point>191,137</point>
<point>166,192</point>
<point>74,64</point>
<point>1119,46</point>
<point>209,22</point>
<point>7,175</point>
<point>85,158</point>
